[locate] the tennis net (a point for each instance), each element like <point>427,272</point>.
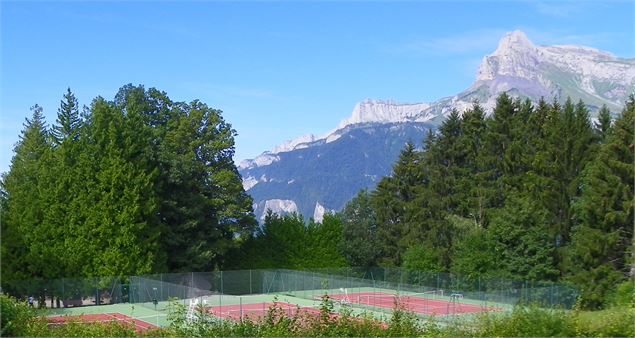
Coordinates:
<point>392,298</point>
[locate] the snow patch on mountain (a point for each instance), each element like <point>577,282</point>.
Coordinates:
<point>290,145</point>
<point>318,214</point>
<point>269,157</point>
<point>264,159</point>
<point>333,137</point>
<point>249,182</point>
<point>279,207</point>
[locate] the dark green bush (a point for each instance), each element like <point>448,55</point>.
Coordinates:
<point>617,321</point>
<point>523,321</point>
<point>15,316</point>
<point>80,329</point>
<point>623,295</point>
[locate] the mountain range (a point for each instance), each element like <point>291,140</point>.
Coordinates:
<point>312,174</point>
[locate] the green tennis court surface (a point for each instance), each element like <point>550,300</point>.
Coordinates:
<point>376,304</point>
<point>231,295</point>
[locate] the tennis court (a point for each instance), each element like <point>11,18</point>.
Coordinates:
<point>146,301</point>
<point>427,303</point>
<point>258,311</point>
<point>138,324</point>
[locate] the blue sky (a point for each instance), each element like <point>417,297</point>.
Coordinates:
<point>278,70</point>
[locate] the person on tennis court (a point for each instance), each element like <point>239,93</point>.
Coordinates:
<point>31,300</point>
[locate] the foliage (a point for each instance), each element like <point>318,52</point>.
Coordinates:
<point>524,193</point>
<point>287,242</point>
<point>16,316</point>
<point>623,295</point>
<point>144,184</point>
<point>359,234</point>
<point>421,257</point>
<point>135,185</point>
<point>612,322</point>
<point>523,321</point>
<point>521,241</point>
<point>79,329</point>
<point>600,254</point>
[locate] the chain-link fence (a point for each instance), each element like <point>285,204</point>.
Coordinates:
<point>342,282</point>
<point>68,292</point>
<point>490,289</point>
<point>227,287</point>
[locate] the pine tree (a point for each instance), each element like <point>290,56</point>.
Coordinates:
<point>359,234</point>
<point>24,253</point>
<point>322,243</point>
<point>68,119</point>
<point>476,192</point>
<point>121,238</point>
<point>600,252</point>
<point>603,124</point>
<point>498,165</point>
<point>519,237</point>
<point>563,147</point>
<point>61,221</point>
<point>390,200</point>
<point>448,158</point>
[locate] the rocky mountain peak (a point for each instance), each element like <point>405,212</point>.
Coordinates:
<point>313,175</point>
<point>380,111</point>
<point>513,43</point>
<point>515,56</point>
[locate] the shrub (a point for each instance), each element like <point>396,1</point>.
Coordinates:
<point>81,329</point>
<point>15,316</point>
<point>523,321</point>
<point>623,295</point>
<point>613,322</point>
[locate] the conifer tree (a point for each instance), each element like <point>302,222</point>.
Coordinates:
<point>498,163</point>
<point>24,255</point>
<point>476,192</point>
<point>390,200</point>
<point>519,236</point>
<point>448,158</point>
<point>359,233</point>
<point>601,250</point>
<point>603,124</point>
<point>119,225</point>
<point>322,245</point>
<point>68,119</point>
<point>60,224</point>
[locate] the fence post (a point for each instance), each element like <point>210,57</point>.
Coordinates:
<point>251,290</point>
<point>551,295</point>
<point>438,281</point>
<point>221,288</point>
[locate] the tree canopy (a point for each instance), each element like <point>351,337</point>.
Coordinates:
<point>135,185</point>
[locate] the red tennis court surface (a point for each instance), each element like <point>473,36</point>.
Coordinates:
<point>412,303</point>
<point>139,325</point>
<point>258,311</point>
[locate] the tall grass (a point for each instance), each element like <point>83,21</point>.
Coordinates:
<point>524,321</point>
